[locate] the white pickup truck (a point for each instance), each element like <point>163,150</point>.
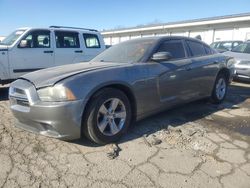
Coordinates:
<point>30,49</point>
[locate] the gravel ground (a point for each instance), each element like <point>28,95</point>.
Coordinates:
<point>195,145</point>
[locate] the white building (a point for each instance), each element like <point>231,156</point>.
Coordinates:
<point>233,27</point>
<point>1,38</point>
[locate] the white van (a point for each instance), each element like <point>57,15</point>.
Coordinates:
<point>30,49</point>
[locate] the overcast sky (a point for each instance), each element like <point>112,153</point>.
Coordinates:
<point>110,14</point>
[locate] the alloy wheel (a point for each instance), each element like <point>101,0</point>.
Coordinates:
<point>111,117</point>
<point>221,88</point>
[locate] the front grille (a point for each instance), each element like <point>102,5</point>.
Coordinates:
<point>19,91</point>
<point>22,102</point>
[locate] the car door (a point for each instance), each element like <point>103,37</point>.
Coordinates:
<point>68,49</point>
<point>203,68</point>
<point>33,52</point>
<point>174,75</point>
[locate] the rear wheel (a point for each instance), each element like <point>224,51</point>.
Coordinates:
<point>107,116</point>
<point>220,89</point>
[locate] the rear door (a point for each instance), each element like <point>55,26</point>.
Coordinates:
<point>67,48</point>
<point>35,52</point>
<point>203,68</point>
<point>92,46</point>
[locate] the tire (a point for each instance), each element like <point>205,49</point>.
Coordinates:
<point>220,89</point>
<point>107,116</point>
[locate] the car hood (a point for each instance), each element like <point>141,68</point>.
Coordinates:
<point>50,76</point>
<point>238,56</point>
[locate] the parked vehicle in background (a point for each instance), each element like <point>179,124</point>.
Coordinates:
<point>30,49</point>
<point>242,56</point>
<point>223,46</point>
<point>127,82</point>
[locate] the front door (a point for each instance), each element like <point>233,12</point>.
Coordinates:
<point>33,52</point>
<point>174,74</point>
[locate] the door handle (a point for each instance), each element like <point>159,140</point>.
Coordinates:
<point>216,62</point>
<point>48,52</point>
<point>78,51</point>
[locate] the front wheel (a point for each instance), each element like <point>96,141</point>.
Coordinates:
<point>220,89</point>
<point>107,117</point>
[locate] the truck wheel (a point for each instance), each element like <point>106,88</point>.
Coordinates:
<point>107,117</point>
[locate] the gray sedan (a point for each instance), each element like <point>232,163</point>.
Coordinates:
<point>242,56</point>
<point>125,83</point>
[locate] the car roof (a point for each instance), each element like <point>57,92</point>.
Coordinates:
<point>64,28</point>
<point>160,38</point>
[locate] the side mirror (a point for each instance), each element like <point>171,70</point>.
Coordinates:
<point>23,44</point>
<point>161,56</point>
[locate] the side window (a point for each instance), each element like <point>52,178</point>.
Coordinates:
<point>67,39</point>
<point>36,39</point>
<point>91,41</point>
<point>196,48</point>
<point>174,47</point>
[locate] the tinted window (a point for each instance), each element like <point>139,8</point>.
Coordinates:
<point>91,41</point>
<point>174,47</point>
<point>196,48</point>
<point>38,39</point>
<point>67,39</point>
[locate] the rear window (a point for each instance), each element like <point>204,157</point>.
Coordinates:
<point>91,41</point>
<point>67,39</point>
<point>196,48</point>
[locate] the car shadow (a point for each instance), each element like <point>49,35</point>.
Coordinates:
<point>4,93</point>
<point>178,116</point>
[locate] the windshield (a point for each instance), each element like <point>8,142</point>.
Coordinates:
<point>126,52</point>
<point>9,40</point>
<point>242,48</point>
<point>214,44</point>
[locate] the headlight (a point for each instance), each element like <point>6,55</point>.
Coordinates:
<point>231,62</point>
<point>55,94</point>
